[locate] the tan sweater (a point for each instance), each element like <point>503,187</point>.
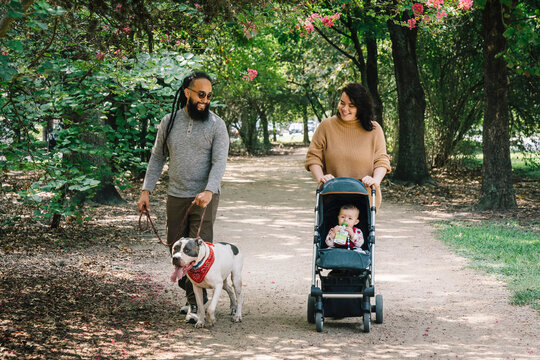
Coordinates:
<point>345,148</point>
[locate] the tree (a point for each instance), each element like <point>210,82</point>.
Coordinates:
<point>497,186</point>
<point>519,22</point>
<point>411,156</point>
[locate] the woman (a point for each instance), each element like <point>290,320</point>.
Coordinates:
<point>350,143</point>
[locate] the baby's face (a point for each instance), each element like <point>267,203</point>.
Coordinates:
<point>349,216</point>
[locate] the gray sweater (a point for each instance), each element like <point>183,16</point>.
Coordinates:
<point>198,154</point>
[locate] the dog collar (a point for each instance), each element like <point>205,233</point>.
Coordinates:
<point>198,272</point>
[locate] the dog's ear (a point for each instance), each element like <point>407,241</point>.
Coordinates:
<point>200,241</point>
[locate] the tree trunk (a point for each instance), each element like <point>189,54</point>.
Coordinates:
<point>372,77</point>
<point>411,156</point>
<point>105,193</point>
<point>497,188</point>
<point>248,131</point>
<point>306,128</point>
<point>264,124</point>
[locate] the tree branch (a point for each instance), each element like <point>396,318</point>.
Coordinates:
<point>7,20</point>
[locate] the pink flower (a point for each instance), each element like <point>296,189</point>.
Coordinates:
<point>437,4</point>
<point>309,28</point>
<point>441,14</point>
<point>417,9</point>
<point>411,23</point>
<point>199,7</point>
<point>118,7</point>
<point>5,53</point>
<point>127,29</point>
<point>313,17</point>
<point>252,74</point>
<point>118,53</point>
<point>328,21</point>
<point>465,4</point>
<point>250,29</point>
<point>100,56</point>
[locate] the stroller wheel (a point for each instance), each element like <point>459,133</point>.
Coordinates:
<point>311,309</point>
<point>367,322</point>
<point>319,321</point>
<point>378,309</point>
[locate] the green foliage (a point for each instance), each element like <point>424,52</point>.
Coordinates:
<point>107,75</point>
<point>507,250</point>
<point>449,62</point>
<point>108,108</point>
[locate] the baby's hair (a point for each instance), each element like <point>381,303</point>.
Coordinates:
<point>349,207</point>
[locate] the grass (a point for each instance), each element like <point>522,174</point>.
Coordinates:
<point>523,164</point>
<point>506,250</point>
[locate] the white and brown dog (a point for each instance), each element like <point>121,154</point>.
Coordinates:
<point>208,266</point>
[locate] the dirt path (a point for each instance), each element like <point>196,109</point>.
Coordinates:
<point>115,301</point>
<point>434,306</point>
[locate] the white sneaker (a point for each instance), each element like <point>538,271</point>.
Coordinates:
<point>191,317</point>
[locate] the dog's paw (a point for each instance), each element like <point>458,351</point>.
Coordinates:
<point>237,318</point>
<point>199,324</point>
<point>233,311</point>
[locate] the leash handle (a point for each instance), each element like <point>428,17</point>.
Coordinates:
<point>149,221</point>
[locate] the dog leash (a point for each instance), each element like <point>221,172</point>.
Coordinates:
<point>146,212</point>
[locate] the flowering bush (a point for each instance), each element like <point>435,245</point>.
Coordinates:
<point>252,74</point>
<point>250,30</point>
<point>435,9</point>
<point>308,23</point>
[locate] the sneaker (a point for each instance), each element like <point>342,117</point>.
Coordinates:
<point>191,317</point>
<point>184,309</point>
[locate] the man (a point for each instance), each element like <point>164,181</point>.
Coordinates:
<point>197,143</point>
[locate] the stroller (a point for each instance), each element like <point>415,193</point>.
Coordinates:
<point>347,290</point>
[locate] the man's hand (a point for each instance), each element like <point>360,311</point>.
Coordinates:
<point>144,201</point>
<point>203,199</point>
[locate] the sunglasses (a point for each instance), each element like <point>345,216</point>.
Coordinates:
<point>202,94</point>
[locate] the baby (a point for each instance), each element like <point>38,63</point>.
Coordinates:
<point>347,214</point>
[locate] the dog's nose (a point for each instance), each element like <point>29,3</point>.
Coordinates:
<point>176,261</point>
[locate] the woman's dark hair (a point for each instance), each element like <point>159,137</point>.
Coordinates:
<point>361,98</point>
<point>180,100</point>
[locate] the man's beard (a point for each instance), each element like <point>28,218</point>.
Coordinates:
<point>197,114</point>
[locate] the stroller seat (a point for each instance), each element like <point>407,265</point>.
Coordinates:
<point>343,259</point>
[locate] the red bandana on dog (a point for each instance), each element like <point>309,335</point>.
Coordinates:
<point>198,274</point>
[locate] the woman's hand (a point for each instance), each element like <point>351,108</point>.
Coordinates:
<point>369,181</point>
<point>324,179</point>
<point>318,174</point>
<point>378,175</point>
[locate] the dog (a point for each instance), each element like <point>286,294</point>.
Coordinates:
<point>208,266</point>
